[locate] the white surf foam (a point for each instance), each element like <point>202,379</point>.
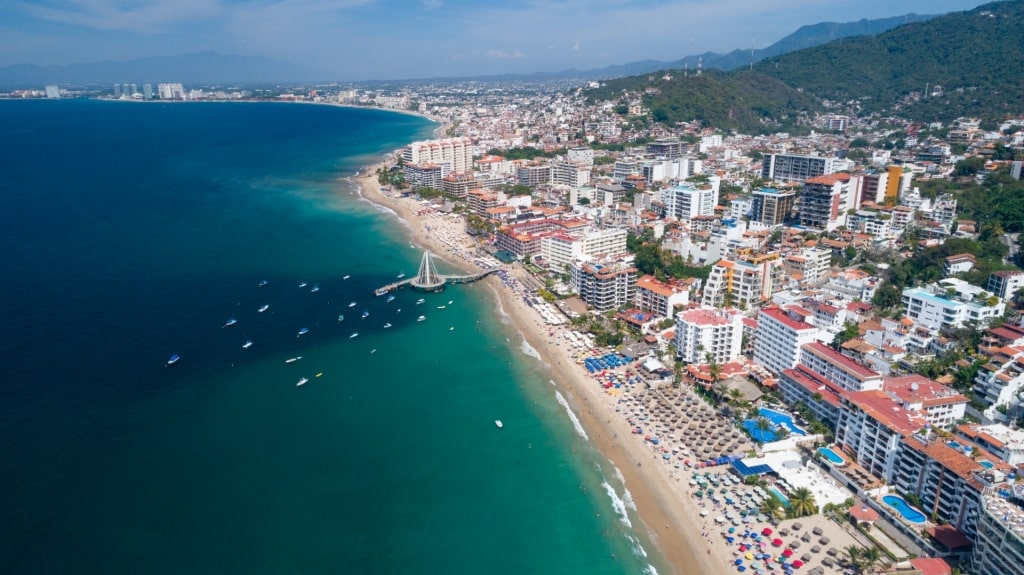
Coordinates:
<point>528,349</point>
<point>572,416</point>
<point>618,504</point>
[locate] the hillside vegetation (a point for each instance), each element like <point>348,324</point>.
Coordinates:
<point>745,101</point>
<point>976,57</point>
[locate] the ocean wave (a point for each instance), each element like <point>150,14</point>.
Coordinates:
<point>552,382</point>
<point>529,350</point>
<point>618,504</point>
<point>626,495</point>
<point>650,570</point>
<point>572,416</point>
<point>635,545</point>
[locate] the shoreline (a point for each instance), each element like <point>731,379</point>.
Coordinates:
<point>670,518</point>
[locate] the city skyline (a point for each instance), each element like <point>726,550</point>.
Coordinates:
<point>369,40</point>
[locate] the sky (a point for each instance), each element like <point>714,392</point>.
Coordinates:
<point>404,39</point>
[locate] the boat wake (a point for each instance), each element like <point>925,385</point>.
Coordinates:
<point>572,416</point>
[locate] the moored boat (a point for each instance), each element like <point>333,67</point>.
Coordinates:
<point>387,325</point>
<point>366,313</point>
<point>354,335</point>
<point>499,423</point>
<point>247,344</point>
<point>230,322</point>
<point>264,308</point>
<point>302,382</point>
<point>303,331</point>
<point>421,318</point>
<point>173,359</point>
<point>293,359</point>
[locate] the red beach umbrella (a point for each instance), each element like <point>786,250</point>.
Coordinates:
<point>766,531</point>
<point>777,542</point>
<point>798,564</point>
<point>787,553</point>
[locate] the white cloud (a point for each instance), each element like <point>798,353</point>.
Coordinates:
<point>502,55</point>
<point>432,4</point>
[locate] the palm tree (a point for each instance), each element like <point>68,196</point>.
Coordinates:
<point>870,558</point>
<point>855,556</point>
<point>773,508</point>
<point>801,501</point>
<point>763,425</point>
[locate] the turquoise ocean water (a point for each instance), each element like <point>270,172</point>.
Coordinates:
<point>131,232</point>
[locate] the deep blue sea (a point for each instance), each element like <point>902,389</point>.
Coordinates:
<point>131,232</point>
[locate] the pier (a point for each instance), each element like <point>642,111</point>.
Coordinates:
<point>427,278</point>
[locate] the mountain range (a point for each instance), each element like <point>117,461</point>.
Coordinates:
<point>215,68</point>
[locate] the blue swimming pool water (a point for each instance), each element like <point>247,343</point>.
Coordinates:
<point>778,419</point>
<point>831,456</point>
<point>782,497</point>
<point>904,509</point>
<point>986,464</point>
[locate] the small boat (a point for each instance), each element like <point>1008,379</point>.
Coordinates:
<point>316,288</point>
<point>355,334</point>
<point>345,277</point>
<point>452,328</point>
<point>499,423</point>
<point>391,298</point>
<point>419,301</point>
<point>366,313</point>
<point>441,306</point>
<point>293,359</point>
<point>173,359</point>
<point>387,325</point>
<point>373,351</point>
<point>263,283</point>
<point>302,285</point>
<point>302,382</point>
<point>449,302</point>
<point>320,374</point>
<point>264,308</point>
<point>247,344</point>
<point>303,331</point>
<point>230,322</point>
<point>353,304</point>
<point>341,317</point>
<point>421,318</point>
<point>401,275</point>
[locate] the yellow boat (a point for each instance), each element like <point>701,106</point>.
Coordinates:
<point>319,374</point>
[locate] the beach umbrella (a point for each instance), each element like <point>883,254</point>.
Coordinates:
<point>703,512</point>
<point>806,557</point>
<point>824,540</point>
<point>787,553</point>
<point>749,555</point>
<point>798,564</point>
<point>766,531</point>
<point>796,526</point>
<point>817,531</point>
<point>738,561</point>
<point>777,542</point>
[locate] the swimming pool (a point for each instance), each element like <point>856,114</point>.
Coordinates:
<point>986,463</point>
<point>782,497</point>
<point>832,456</point>
<point>777,419</point>
<point>904,509</point>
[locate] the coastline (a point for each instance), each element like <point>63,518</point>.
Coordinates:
<point>671,518</point>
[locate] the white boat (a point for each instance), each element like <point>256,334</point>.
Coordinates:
<point>449,302</point>
<point>316,288</point>
<point>355,334</point>
<point>247,344</point>
<point>302,382</point>
<point>173,359</point>
<point>341,317</point>
<point>401,275</point>
<point>302,285</point>
<point>345,277</point>
<point>391,298</point>
<point>387,325</point>
<point>441,306</point>
<point>499,423</point>
<point>263,283</point>
<point>353,304</point>
<point>264,308</point>
<point>230,322</point>
<point>419,301</point>
<point>302,331</point>
<point>452,328</point>
<point>421,318</point>
<point>366,313</point>
<point>373,351</point>
<point>293,359</point>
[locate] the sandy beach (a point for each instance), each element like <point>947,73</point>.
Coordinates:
<point>682,526</point>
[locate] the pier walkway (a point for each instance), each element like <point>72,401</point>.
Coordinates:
<point>427,279</point>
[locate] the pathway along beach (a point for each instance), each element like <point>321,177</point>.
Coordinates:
<point>671,518</point>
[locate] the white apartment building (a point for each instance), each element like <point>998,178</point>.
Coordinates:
<point>837,368</point>
<point>1005,283</point>
<point>1005,443</point>
<point>936,308</point>
<point>171,91</point>
<point>824,201</point>
<point>779,339</point>
<point>941,406</point>
<point>810,264</point>
<point>571,173</point>
<point>704,331</point>
<point>609,242</point>
<point>999,542</point>
<point>605,285</point>
<point>560,249</point>
<point>457,152</point>
<point>581,155</point>
<point>740,283</point>
<point>1000,380</point>
<point>685,202</point>
<point>871,426</point>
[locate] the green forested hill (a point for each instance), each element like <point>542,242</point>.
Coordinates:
<point>976,57</point>
<point>745,101</point>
